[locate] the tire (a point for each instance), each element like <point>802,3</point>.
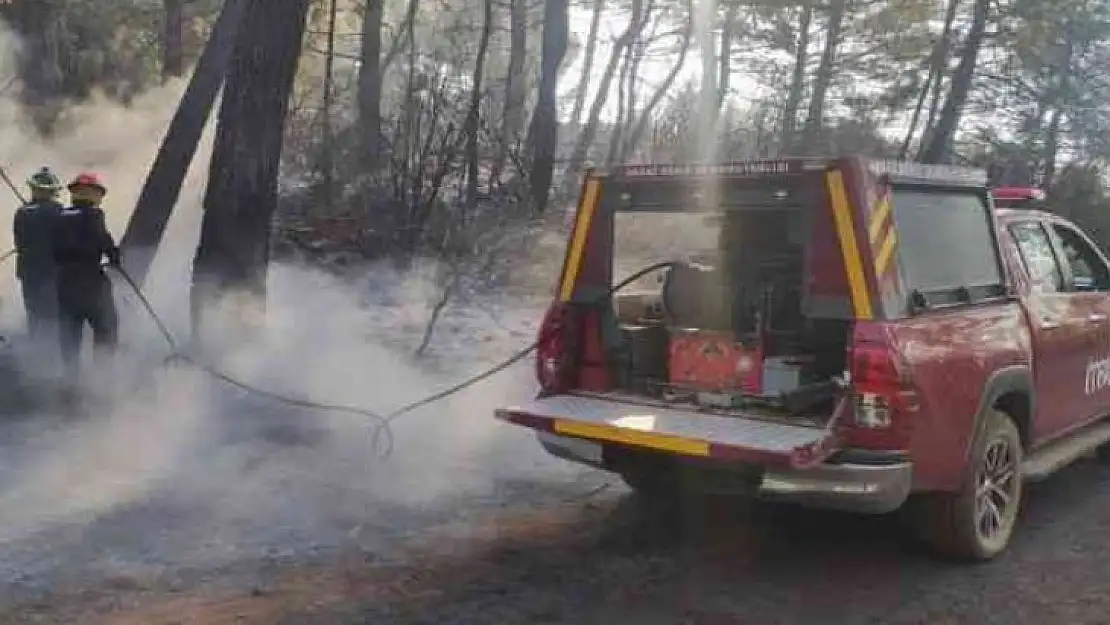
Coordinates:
<point>1102,453</point>
<point>960,525</point>
<point>652,482</point>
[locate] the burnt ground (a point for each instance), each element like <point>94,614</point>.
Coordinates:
<point>277,520</point>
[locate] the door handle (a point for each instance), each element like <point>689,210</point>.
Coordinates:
<point>1096,317</point>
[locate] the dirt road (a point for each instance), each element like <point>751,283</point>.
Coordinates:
<point>187,505</point>
<point>548,558</point>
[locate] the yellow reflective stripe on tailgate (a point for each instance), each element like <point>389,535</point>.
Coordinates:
<point>577,250</point>
<point>663,442</point>
<point>853,265</point>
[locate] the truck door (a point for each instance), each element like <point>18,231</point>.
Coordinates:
<point>1063,340</point>
<point>1087,280</point>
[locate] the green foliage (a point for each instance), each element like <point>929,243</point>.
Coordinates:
<point>112,46</point>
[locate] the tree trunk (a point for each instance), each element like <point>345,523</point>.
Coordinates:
<point>327,153</point>
<point>798,79</point>
<point>589,131</point>
<point>915,117</point>
<point>404,33</point>
<point>724,58</point>
<point>148,221</point>
<point>937,62</point>
<point>173,55</point>
<point>1052,148</point>
<point>941,140</point>
<point>545,121</point>
<point>662,90</point>
<point>815,116</point>
<point>632,96</point>
<point>706,12</point>
<point>39,60</point>
<point>1063,95</point>
<point>370,85</point>
<point>587,66</point>
<point>614,151</point>
<point>516,86</point>
<point>470,129</point>
<point>234,250</point>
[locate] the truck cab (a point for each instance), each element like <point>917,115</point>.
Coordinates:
<point>844,333</point>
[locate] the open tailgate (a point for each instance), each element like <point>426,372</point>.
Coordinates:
<point>684,432</point>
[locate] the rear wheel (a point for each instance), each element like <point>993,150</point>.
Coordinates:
<point>1102,452</point>
<point>976,522</point>
<point>652,482</point>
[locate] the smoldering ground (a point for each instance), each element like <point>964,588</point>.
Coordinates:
<point>174,471</point>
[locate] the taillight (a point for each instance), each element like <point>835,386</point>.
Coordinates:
<point>882,397</point>
<point>555,351</point>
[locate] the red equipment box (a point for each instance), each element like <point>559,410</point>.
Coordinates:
<point>713,361</point>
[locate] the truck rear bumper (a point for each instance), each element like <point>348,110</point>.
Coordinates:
<point>862,488</point>
<point>794,460</point>
<point>867,489</point>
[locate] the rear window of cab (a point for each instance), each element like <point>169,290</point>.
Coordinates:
<point>948,253</point>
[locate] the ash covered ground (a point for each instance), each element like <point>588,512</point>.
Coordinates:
<point>179,500</point>
<point>177,478</point>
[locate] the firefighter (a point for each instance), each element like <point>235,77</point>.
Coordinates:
<point>80,240</point>
<point>32,232</point>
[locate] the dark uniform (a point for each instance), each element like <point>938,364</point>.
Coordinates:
<point>34,223</point>
<point>80,240</point>
<point>32,234</point>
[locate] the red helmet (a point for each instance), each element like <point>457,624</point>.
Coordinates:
<point>87,180</point>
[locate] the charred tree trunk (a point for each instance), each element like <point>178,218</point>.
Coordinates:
<point>516,87</point>
<point>587,65</point>
<point>706,15</point>
<point>370,84</point>
<point>941,139</point>
<point>327,152</point>
<point>589,131</point>
<point>724,57</point>
<point>152,213</point>
<point>474,112</point>
<point>937,62</point>
<point>632,97</point>
<point>1052,148</point>
<point>404,38</point>
<point>173,55</point>
<point>241,197</point>
<point>644,119</point>
<point>815,116</point>
<point>545,121</point>
<point>1064,93</point>
<point>798,79</point>
<point>39,61</point>
<point>617,132</point>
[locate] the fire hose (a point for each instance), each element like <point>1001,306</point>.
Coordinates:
<point>381,437</point>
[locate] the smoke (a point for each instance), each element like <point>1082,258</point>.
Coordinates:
<point>245,466</point>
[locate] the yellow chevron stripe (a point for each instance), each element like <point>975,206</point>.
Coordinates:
<point>582,221</point>
<point>853,265</point>
<point>882,210</point>
<point>886,252</point>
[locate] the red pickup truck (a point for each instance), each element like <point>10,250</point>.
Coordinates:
<point>853,334</point>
